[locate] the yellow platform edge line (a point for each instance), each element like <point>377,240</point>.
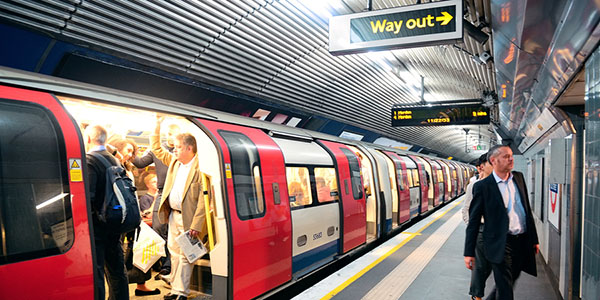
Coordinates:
<point>350,280</point>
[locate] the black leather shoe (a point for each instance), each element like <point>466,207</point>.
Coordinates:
<point>146,293</point>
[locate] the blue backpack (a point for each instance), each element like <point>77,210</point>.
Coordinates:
<point>120,211</point>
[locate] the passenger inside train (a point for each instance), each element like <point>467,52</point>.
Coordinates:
<point>128,129</point>
<point>299,186</point>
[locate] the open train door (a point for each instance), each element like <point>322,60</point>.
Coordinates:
<point>45,246</point>
<point>403,187</point>
<point>260,253</point>
<point>354,222</point>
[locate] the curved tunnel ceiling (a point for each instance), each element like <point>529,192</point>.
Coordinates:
<point>278,50</point>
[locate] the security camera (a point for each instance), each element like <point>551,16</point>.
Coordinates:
<point>482,58</point>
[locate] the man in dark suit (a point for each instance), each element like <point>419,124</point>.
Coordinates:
<point>109,249</point>
<point>509,237</point>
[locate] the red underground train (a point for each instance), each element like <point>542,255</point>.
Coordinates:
<point>285,201</point>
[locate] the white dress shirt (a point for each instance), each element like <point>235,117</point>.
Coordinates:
<point>176,195</point>
<point>512,202</point>
<point>97,148</point>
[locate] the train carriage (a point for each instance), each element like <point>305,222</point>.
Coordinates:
<point>282,202</point>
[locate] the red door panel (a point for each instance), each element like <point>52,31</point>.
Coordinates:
<point>58,276</point>
<point>261,253</point>
<point>354,210</point>
<point>403,195</point>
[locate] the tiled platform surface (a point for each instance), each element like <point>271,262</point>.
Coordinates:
<point>403,275</point>
<point>442,277</point>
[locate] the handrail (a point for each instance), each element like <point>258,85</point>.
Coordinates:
<point>208,211</point>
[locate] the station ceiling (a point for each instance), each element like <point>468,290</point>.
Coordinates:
<point>278,51</point>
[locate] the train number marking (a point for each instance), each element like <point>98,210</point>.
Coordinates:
<point>317,236</point>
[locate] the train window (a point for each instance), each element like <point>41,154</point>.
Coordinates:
<point>453,174</point>
<point>326,182</point>
<point>247,179</point>
<point>409,177</point>
<point>258,184</point>
<point>440,176</point>
<point>357,189</point>
<point>415,177</point>
<point>35,203</point>
<point>298,182</point>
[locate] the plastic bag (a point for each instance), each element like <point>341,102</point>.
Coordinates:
<point>147,248</point>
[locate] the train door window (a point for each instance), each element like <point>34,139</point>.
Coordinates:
<point>35,203</point>
<point>440,176</point>
<point>400,179</point>
<point>298,182</point>
<point>392,179</point>
<point>357,189</point>
<point>415,177</point>
<point>247,179</point>
<point>326,182</point>
<point>410,179</point>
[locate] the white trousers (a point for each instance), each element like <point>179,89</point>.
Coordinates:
<point>181,269</point>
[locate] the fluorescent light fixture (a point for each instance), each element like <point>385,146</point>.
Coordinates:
<point>51,200</point>
<point>261,114</point>
<point>279,118</point>
<point>293,122</point>
<point>351,135</point>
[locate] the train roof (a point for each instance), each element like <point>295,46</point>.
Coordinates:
<point>9,76</point>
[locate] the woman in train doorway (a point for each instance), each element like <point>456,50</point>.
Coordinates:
<point>126,151</point>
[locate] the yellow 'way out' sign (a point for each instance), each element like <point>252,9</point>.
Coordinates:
<point>401,27</point>
<point>395,26</point>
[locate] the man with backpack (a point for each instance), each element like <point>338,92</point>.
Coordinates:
<point>109,248</point>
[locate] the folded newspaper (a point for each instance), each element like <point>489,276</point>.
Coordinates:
<point>192,248</point>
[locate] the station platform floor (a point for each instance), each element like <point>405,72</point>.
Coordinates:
<point>423,262</point>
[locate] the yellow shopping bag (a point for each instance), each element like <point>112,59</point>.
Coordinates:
<point>147,248</point>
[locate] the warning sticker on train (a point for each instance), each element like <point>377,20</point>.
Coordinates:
<point>401,27</point>
<point>75,170</point>
<point>228,171</point>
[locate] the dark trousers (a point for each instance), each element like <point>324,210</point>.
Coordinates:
<point>482,269</point>
<point>507,272</point>
<point>110,261</point>
<point>163,231</point>
<point>134,275</point>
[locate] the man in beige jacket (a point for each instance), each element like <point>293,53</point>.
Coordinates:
<point>181,204</point>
